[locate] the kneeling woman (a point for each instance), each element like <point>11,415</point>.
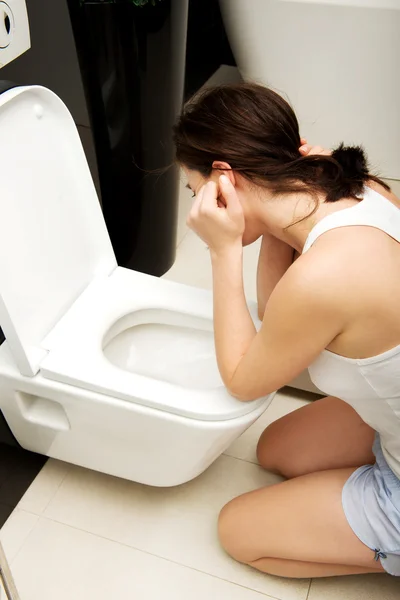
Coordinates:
<point>334,310</point>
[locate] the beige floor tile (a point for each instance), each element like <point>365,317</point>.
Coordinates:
<point>359,587</point>
<point>59,563</point>
<point>15,531</point>
<point>178,524</point>
<point>285,401</point>
<point>193,266</point>
<point>44,486</point>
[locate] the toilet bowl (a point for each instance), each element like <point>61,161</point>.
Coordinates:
<point>336,61</point>
<point>102,366</point>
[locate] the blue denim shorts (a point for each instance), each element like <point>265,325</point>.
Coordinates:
<point>371,502</point>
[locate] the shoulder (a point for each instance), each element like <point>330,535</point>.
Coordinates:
<point>304,313</point>
<point>314,272</point>
<point>340,254</point>
<point>324,278</point>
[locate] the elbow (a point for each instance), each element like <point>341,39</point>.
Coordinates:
<point>244,391</point>
<point>242,394</point>
<point>246,388</point>
<point>242,397</point>
<point>245,397</point>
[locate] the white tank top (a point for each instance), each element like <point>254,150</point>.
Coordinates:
<point>370,385</point>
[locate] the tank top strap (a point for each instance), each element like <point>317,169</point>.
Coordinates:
<point>374,210</point>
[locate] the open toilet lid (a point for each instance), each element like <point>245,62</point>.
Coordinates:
<point>53,240</point>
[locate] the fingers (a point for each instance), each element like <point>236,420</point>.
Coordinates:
<point>205,204</point>
<point>197,201</point>
<point>319,150</point>
<point>229,195</point>
<point>209,197</point>
<point>304,149</point>
<point>194,211</point>
<point>307,150</point>
<point>213,197</point>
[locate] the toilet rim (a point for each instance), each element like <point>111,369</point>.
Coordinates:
<point>75,348</point>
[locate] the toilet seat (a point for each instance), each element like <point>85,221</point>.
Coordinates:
<point>127,298</point>
<point>54,241</point>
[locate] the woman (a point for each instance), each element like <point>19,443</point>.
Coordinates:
<point>334,310</point>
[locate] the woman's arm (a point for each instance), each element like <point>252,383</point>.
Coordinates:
<point>274,260</point>
<point>301,318</point>
<point>234,330</point>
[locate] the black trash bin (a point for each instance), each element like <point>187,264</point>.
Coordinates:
<point>132,57</point>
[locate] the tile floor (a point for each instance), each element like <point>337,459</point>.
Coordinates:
<point>84,535</point>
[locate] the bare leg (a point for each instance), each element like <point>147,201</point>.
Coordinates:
<point>300,570</point>
<point>327,434</point>
<point>296,529</point>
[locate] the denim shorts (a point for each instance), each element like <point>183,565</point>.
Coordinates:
<point>371,503</point>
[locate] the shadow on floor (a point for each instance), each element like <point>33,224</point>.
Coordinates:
<point>18,468</point>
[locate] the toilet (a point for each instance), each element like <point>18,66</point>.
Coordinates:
<point>336,61</point>
<point>103,367</point>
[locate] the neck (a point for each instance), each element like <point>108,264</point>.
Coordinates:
<point>292,218</point>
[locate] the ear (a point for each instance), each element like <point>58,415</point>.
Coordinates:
<point>224,168</point>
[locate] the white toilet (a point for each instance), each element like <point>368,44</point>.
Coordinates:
<point>335,60</point>
<point>102,366</point>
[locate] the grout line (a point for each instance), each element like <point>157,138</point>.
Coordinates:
<point>250,462</point>
<point>174,562</point>
<point>67,471</point>
<point>309,589</point>
<point>25,537</point>
<point>183,237</point>
<point>33,514</point>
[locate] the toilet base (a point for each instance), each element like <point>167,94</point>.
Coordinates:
<point>109,435</point>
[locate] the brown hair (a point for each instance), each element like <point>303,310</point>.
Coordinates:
<point>256,131</point>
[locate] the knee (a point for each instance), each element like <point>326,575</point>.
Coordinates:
<point>229,532</point>
<point>276,454</point>
<point>269,449</point>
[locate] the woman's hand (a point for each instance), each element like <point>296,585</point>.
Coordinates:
<point>217,216</point>
<point>307,150</point>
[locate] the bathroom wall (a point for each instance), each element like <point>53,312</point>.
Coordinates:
<point>52,59</point>
<point>52,62</point>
